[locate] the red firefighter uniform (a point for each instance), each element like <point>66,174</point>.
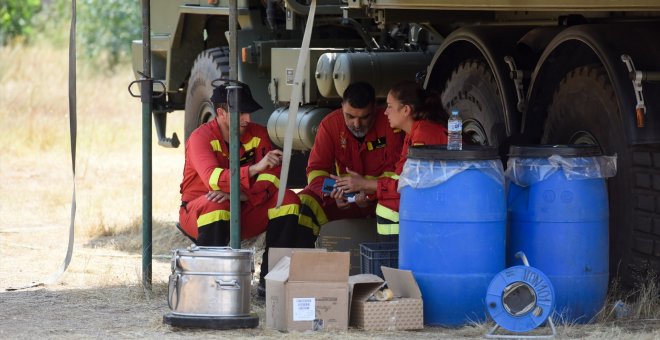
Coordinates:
<point>335,149</point>
<point>207,168</point>
<point>423,132</point>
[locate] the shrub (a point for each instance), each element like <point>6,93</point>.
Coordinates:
<point>107,28</point>
<point>16,18</point>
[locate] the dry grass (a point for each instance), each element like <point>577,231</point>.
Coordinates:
<point>641,303</point>
<point>36,160</point>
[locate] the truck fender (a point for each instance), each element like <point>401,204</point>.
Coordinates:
<point>488,43</point>
<point>599,44</point>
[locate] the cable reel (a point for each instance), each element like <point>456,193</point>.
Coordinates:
<point>520,299</point>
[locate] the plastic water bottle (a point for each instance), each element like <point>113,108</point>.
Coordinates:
<point>455,128</point>
<point>621,309</point>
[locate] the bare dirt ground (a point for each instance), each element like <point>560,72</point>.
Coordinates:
<point>101,295</point>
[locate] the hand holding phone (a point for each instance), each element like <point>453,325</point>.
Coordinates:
<point>329,185</point>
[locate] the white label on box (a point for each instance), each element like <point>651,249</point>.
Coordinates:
<point>289,76</point>
<point>304,309</point>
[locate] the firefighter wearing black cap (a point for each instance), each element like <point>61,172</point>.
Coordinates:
<point>204,213</point>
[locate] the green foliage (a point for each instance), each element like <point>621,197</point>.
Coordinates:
<point>16,18</point>
<point>52,24</point>
<point>106,29</point>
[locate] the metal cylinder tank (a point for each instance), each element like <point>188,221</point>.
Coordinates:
<point>324,81</point>
<point>380,69</point>
<point>307,123</point>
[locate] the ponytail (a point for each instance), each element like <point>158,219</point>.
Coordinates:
<point>433,107</point>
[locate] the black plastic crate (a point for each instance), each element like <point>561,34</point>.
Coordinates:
<point>374,255</point>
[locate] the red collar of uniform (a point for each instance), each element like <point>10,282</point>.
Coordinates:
<point>245,137</point>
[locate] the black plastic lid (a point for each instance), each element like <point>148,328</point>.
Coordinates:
<point>440,152</point>
<point>543,151</point>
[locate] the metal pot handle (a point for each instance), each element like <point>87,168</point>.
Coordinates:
<point>173,285</point>
<point>227,285</point>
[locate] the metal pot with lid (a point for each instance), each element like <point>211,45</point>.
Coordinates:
<point>211,281</point>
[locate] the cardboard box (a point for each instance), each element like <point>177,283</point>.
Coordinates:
<point>276,254</point>
<point>308,291</point>
<point>404,312</point>
<point>346,235</point>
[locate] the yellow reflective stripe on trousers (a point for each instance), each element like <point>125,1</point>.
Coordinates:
<point>213,216</point>
<point>311,203</point>
<point>316,173</point>
<point>270,178</point>
<point>288,209</point>
<point>213,180</point>
<point>309,223</point>
<point>388,214</point>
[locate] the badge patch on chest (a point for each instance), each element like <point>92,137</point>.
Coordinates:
<point>376,144</point>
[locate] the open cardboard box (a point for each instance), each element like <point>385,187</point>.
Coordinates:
<point>404,312</point>
<point>307,289</point>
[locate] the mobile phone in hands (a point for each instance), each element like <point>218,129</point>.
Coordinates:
<point>329,185</point>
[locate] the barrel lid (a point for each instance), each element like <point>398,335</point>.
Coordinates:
<point>440,152</point>
<point>544,151</point>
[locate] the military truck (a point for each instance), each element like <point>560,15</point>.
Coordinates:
<point>520,71</point>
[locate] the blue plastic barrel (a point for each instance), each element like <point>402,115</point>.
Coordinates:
<point>561,224</point>
<point>452,234</point>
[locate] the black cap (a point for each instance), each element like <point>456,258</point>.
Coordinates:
<point>245,101</point>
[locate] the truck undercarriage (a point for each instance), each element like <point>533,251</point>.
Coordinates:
<point>520,72</point>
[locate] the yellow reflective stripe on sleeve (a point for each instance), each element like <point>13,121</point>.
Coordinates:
<point>384,174</point>
<point>387,213</point>
<point>417,144</point>
<point>215,145</point>
<point>253,143</point>
<point>316,173</point>
<point>213,180</point>
<point>269,178</point>
<point>389,174</point>
<point>314,206</point>
<point>289,209</point>
<point>213,216</point>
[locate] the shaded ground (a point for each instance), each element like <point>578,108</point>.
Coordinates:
<point>100,296</point>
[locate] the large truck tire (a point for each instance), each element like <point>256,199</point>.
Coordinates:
<point>209,65</point>
<point>584,110</point>
<point>472,90</point>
